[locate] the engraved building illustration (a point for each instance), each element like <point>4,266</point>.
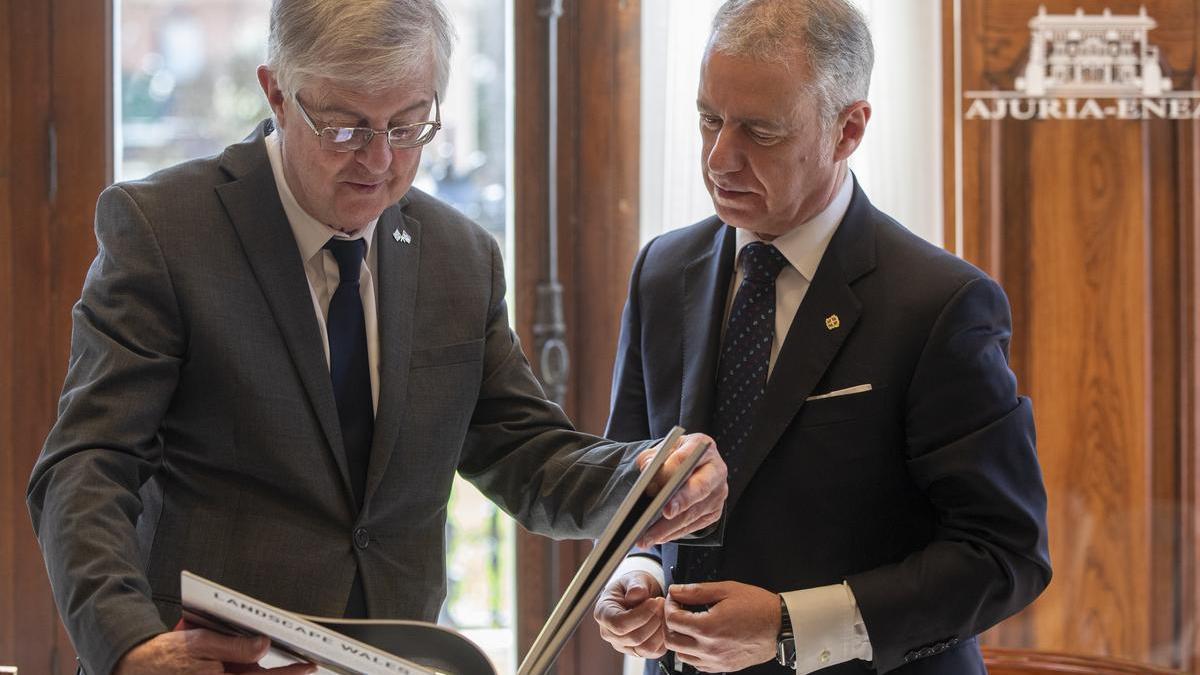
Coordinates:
<point>1092,55</point>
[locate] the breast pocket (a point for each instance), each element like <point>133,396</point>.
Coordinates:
<point>852,427</point>
<point>443,389</point>
<point>447,355</point>
<point>839,409</point>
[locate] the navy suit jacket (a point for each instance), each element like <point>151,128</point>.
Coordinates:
<point>923,493</point>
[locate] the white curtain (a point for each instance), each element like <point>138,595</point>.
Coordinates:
<point>899,163</point>
<point>674,33</point>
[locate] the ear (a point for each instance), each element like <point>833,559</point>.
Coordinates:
<point>852,124</point>
<point>270,87</point>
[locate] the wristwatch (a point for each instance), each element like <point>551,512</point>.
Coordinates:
<point>785,644</point>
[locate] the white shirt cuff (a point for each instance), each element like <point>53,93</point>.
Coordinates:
<point>641,563</point>
<point>828,627</point>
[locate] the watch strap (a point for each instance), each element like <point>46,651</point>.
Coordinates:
<point>785,643</point>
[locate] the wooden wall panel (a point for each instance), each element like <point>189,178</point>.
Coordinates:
<point>1166,209</point>
<point>1091,227</point>
<point>1089,330</point>
<point>8,506</point>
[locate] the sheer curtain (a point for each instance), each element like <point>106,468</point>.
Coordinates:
<point>899,163</point>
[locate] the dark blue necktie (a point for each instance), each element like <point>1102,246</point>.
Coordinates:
<point>350,370</point>
<point>742,370</point>
<point>349,367</point>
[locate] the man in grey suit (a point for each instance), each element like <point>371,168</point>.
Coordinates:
<point>283,354</point>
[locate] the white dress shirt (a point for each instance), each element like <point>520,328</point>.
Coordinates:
<point>826,621</point>
<point>321,267</point>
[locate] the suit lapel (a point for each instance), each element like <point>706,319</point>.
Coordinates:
<point>705,287</point>
<point>252,202</point>
<point>814,337</point>
<point>398,267</point>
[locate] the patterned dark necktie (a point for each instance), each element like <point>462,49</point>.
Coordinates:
<point>742,371</point>
<point>741,378</point>
<point>349,367</point>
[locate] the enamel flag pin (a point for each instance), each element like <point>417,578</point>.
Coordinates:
<point>832,321</point>
<point>402,236</point>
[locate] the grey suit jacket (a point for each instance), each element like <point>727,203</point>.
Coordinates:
<point>197,427</point>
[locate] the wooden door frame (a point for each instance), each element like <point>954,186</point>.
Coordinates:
<point>598,161</point>
<point>55,157</point>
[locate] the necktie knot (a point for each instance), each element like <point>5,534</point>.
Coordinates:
<point>762,263</point>
<point>349,254</point>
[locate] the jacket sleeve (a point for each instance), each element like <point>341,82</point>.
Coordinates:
<point>127,344</point>
<point>628,418</point>
<point>522,451</point>
<point>971,450</point>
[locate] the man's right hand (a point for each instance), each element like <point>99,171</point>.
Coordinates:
<point>630,614</point>
<point>201,652</point>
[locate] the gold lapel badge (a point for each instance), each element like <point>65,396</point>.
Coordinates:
<point>832,321</point>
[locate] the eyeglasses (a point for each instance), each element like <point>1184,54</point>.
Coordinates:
<point>349,139</point>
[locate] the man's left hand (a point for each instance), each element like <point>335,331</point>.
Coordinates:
<point>699,502</point>
<point>738,630</point>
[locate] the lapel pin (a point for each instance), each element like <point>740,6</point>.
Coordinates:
<point>832,321</point>
<point>404,237</point>
<point>396,235</point>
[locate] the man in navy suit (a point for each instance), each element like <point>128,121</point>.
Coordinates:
<point>886,503</point>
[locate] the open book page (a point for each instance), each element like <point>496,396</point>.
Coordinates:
<point>636,513</point>
<point>427,644</point>
<point>336,646</point>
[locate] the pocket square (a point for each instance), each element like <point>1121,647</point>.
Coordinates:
<point>841,392</point>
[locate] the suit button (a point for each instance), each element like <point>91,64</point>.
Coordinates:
<point>361,538</point>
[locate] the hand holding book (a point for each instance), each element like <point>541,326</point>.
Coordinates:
<point>191,649</point>
<point>699,502</point>
<point>686,478</point>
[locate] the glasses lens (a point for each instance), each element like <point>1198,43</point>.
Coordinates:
<point>412,135</point>
<point>344,139</point>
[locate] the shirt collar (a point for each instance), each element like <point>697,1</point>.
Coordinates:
<point>311,234</point>
<point>805,245</point>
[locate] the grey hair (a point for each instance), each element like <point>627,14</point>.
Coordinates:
<point>364,44</point>
<point>832,35</point>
